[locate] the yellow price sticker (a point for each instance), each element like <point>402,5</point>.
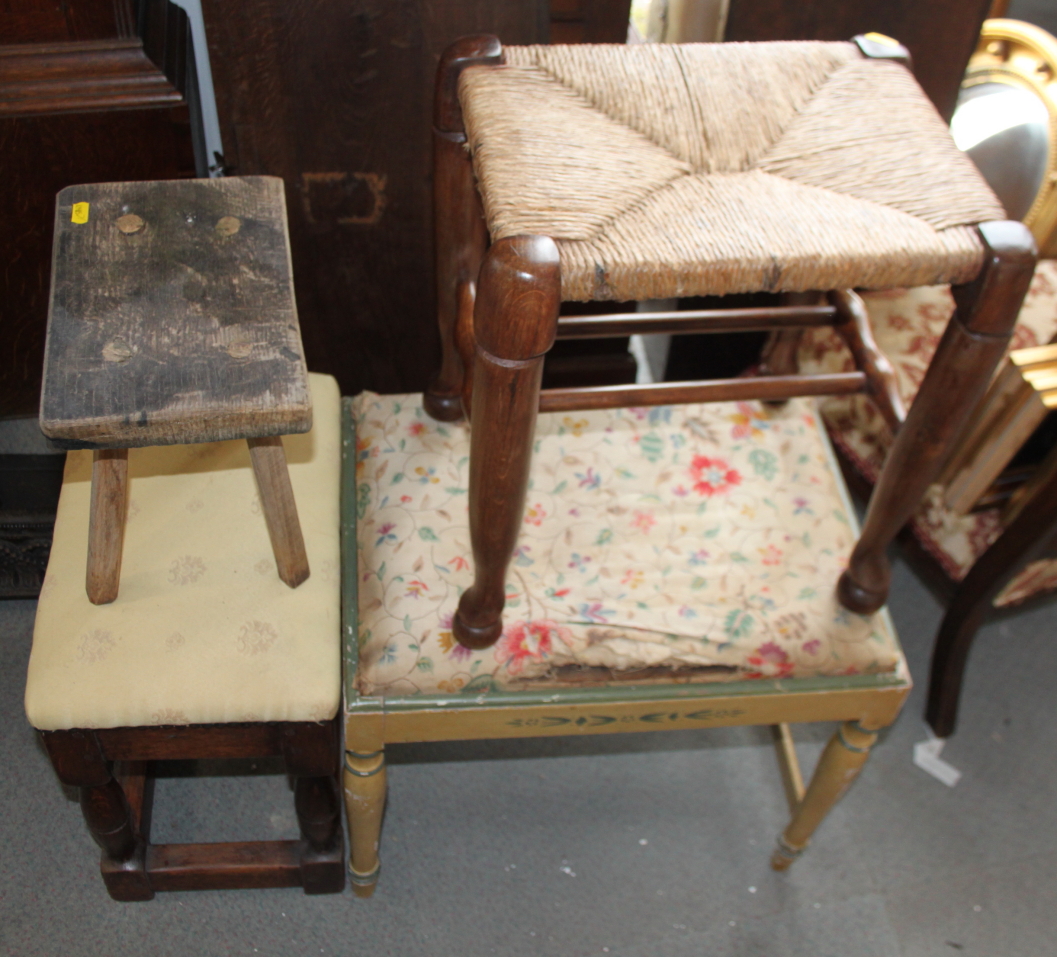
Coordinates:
<point>79,213</point>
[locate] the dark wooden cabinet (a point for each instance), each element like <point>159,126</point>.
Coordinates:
<point>90,91</point>
<point>83,98</point>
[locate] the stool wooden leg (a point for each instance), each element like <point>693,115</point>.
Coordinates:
<point>839,766</point>
<point>79,762</point>
<point>279,507</point>
<point>974,341</point>
<point>106,524</point>
<point>779,356</point>
<point>857,334</point>
<point>365,790</point>
<point>316,801</point>
<point>515,322</point>
<point>459,233</point>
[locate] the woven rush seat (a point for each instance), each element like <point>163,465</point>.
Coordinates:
<point>908,324</point>
<point>704,169</point>
<point>700,542</point>
<point>204,631</point>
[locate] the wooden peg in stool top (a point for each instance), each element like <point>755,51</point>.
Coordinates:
<point>172,316</point>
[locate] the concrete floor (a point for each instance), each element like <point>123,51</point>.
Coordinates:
<point>628,845</point>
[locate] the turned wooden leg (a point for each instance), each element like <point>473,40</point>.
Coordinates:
<point>106,525</point>
<point>365,789</point>
<point>515,322</point>
<point>788,765</point>
<point>79,762</point>
<point>857,334</point>
<point>464,340</point>
<point>974,341</point>
<point>460,235</point>
<point>319,816</point>
<point>779,356</point>
<point>839,766</point>
<point>279,507</point>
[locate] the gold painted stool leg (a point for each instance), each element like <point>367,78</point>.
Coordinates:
<point>839,766</point>
<point>365,789</point>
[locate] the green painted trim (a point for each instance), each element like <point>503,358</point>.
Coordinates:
<point>620,694</point>
<point>349,574</point>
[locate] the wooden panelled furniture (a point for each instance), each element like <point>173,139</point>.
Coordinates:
<point>591,561</point>
<point>91,91</point>
<point>96,91</point>
<point>173,331</point>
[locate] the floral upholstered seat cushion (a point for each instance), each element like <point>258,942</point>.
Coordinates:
<point>908,324</point>
<point>699,541</point>
<point>203,630</point>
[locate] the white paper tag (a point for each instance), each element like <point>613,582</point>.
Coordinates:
<point>927,757</point>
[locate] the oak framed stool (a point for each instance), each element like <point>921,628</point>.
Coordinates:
<point>172,320</point>
<point>208,655</point>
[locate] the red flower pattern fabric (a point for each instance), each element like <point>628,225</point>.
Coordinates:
<point>700,540</point>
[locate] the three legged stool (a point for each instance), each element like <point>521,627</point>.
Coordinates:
<point>172,321</point>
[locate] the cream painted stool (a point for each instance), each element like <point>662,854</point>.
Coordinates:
<point>207,655</point>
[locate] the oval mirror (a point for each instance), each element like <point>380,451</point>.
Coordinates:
<point>1006,120</point>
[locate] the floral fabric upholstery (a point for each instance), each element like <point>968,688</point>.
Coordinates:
<point>203,630</point>
<point>908,324</point>
<point>700,541</point>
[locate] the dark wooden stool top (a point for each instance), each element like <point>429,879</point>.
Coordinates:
<point>172,316</point>
<point>173,321</point>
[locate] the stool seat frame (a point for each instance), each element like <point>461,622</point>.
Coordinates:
<point>111,769</point>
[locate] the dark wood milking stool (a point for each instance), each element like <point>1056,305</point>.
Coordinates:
<point>173,321</point>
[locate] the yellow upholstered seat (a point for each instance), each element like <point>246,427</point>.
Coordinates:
<point>697,542</point>
<point>203,630</point>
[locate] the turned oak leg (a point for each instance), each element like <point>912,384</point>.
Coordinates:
<point>515,322</point>
<point>857,334</point>
<point>779,356</point>
<point>974,341</point>
<point>79,762</point>
<point>839,766</point>
<point>464,340</point>
<point>106,524</point>
<point>365,789</point>
<point>319,816</point>
<point>279,507</point>
<point>459,231</point>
